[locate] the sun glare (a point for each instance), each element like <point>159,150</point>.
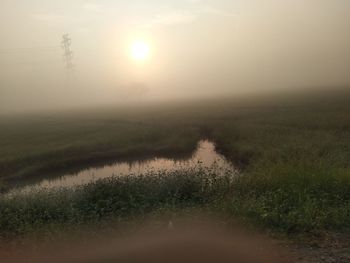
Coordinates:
<point>140,50</point>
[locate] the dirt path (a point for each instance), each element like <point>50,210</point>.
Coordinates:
<point>333,248</point>
<point>194,242</point>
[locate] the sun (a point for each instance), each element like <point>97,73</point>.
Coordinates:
<point>140,50</point>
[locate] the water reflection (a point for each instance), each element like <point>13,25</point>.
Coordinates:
<point>205,157</point>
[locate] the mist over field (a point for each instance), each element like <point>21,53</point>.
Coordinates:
<point>197,48</point>
<point>175,131</point>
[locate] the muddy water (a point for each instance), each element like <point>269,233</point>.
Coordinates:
<point>204,157</point>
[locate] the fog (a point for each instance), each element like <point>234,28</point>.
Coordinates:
<point>198,48</point>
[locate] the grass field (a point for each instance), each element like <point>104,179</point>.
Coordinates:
<point>294,158</point>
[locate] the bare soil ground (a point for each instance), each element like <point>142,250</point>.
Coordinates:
<point>334,248</point>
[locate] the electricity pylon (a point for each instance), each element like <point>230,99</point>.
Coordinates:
<point>68,53</point>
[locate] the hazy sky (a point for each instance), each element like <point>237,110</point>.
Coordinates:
<point>198,48</point>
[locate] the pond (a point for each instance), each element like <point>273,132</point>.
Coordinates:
<point>204,157</point>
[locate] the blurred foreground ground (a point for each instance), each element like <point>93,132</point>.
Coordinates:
<point>182,240</point>
<point>174,242</point>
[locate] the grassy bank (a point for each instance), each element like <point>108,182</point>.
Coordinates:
<point>119,199</point>
<point>294,158</point>
<point>288,205</point>
<point>297,166</point>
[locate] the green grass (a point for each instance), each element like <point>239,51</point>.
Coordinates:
<point>294,159</point>
<point>296,167</point>
<point>33,146</point>
<point>118,198</point>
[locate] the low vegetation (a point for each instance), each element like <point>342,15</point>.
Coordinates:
<point>294,160</point>
<point>118,198</point>
<point>296,167</point>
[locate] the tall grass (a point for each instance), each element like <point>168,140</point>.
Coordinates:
<point>118,198</point>
<point>291,200</point>
<point>294,199</point>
